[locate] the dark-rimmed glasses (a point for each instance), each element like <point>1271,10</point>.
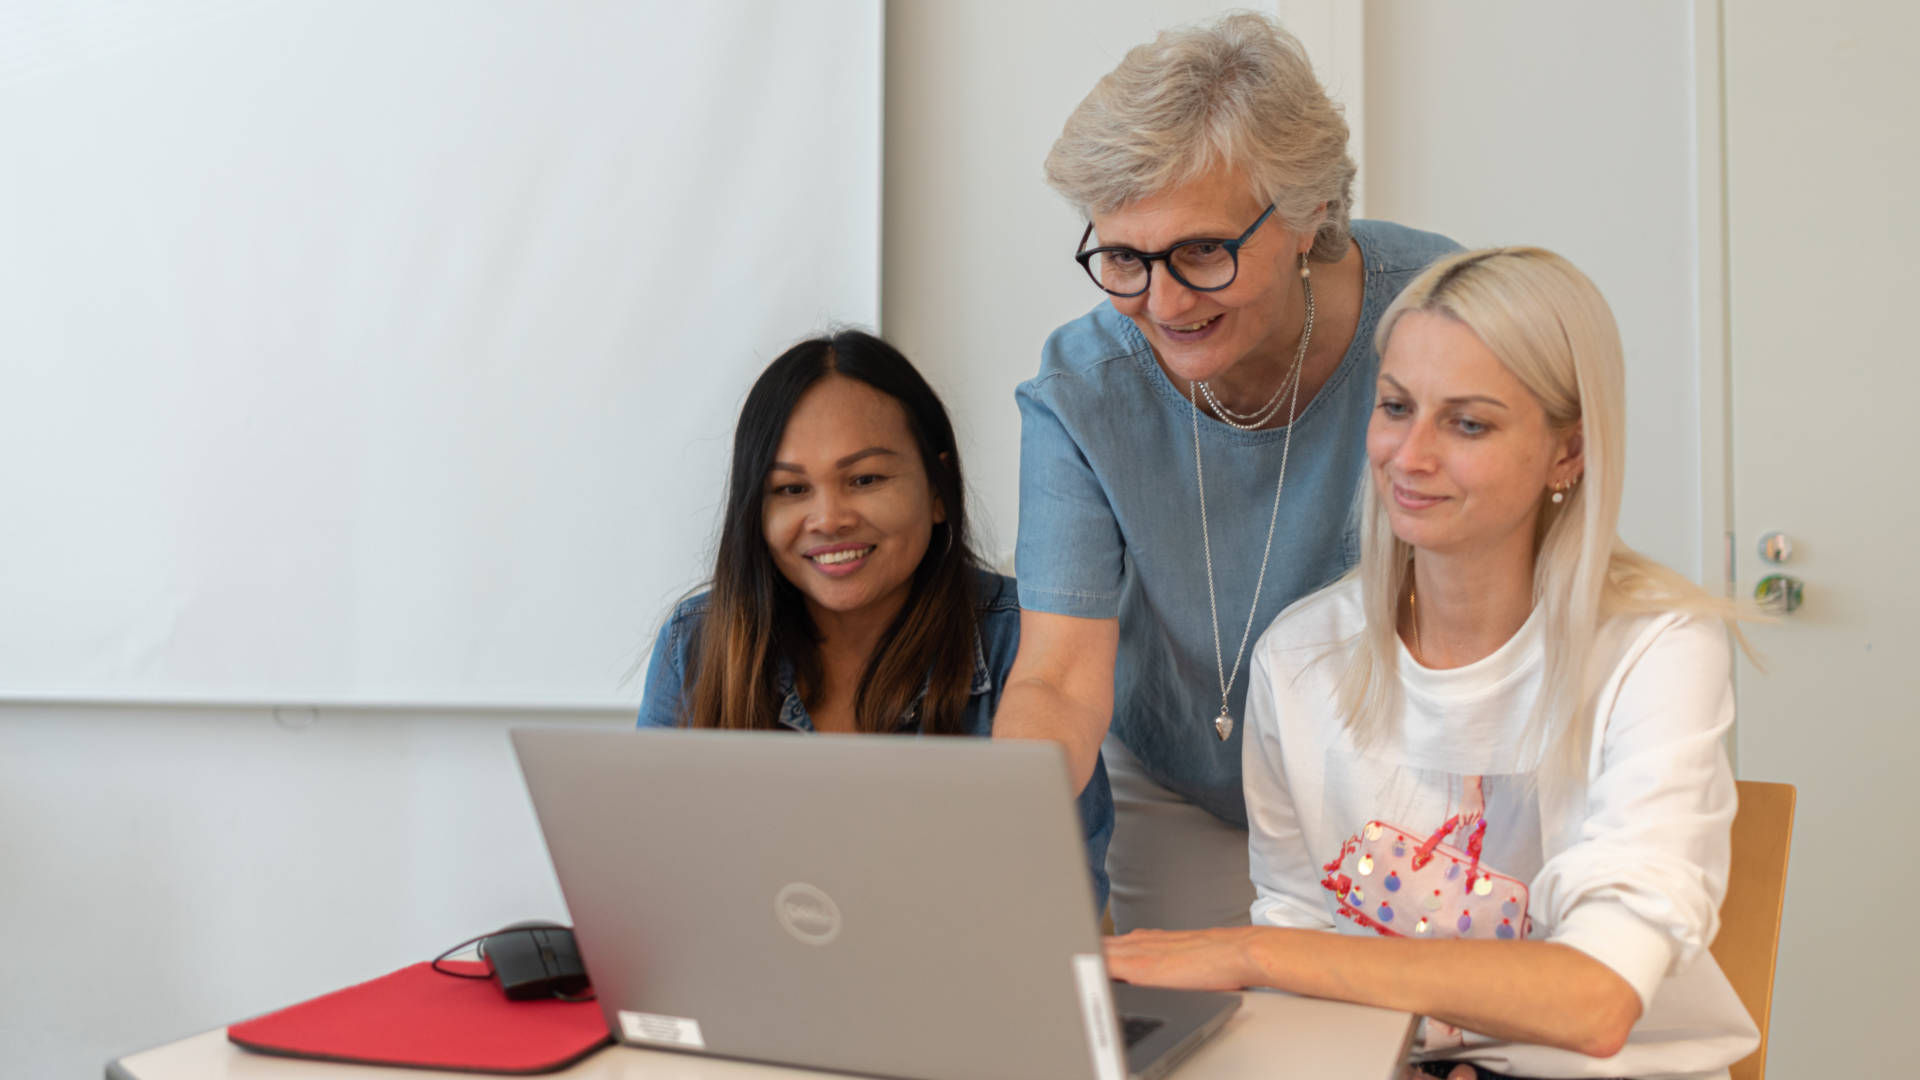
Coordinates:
<point>1202,264</point>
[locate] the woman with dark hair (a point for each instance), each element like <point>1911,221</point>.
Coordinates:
<point>846,594</point>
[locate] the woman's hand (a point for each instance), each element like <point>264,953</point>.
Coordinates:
<point>1220,959</point>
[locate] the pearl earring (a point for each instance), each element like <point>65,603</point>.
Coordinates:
<point>1305,271</point>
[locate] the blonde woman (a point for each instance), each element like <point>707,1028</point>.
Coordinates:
<point>1492,757</point>
<point>1191,448</point>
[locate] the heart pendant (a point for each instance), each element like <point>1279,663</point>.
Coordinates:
<point>1224,725</point>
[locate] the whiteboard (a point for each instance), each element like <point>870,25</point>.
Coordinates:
<point>388,353</point>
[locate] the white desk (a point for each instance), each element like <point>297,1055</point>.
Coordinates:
<point>1271,1037</point>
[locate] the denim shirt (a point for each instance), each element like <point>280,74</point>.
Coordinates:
<point>1110,517</point>
<point>996,640</point>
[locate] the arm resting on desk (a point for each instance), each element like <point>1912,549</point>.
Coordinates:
<point>1525,991</point>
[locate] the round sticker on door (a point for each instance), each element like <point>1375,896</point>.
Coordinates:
<point>808,914</point>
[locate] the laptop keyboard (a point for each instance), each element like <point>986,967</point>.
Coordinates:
<point>1135,1028</point>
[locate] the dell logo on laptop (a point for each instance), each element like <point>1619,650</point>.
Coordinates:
<point>808,914</point>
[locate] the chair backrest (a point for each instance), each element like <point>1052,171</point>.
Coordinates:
<point>1750,917</point>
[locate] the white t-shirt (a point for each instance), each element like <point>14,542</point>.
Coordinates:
<point>1631,870</point>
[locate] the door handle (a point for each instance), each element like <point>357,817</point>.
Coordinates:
<point>1779,594</point>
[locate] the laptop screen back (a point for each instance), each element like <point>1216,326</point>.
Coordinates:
<point>903,907</point>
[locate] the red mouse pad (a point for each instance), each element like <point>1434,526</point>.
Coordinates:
<point>417,1017</point>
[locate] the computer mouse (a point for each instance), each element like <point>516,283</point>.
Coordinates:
<point>535,959</point>
<point>533,924</point>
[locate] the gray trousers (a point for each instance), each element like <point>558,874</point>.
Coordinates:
<point>1173,865</point>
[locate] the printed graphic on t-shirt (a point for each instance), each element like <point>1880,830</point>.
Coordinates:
<point>1425,874</point>
<point>1400,884</point>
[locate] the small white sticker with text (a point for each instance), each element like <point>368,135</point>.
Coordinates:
<point>1096,1005</point>
<point>659,1030</point>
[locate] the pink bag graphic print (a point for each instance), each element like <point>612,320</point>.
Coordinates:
<point>1389,880</point>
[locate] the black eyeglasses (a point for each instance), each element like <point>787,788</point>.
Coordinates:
<point>1202,264</point>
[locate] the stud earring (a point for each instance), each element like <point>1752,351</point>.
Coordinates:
<point>1560,492</point>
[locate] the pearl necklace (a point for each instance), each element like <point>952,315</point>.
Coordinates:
<point>1249,421</point>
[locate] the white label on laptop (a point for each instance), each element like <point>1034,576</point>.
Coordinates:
<point>662,1030</point>
<point>1096,1006</point>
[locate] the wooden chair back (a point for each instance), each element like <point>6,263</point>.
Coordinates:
<point>1749,937</point>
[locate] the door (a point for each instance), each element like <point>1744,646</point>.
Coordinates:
<point>1823,237</point>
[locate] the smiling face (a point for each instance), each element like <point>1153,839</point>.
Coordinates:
<point>848,510</point>
<point>1461,452</point>
<point>1203,335</point>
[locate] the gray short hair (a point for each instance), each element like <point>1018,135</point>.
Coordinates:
<point>1239,93</point>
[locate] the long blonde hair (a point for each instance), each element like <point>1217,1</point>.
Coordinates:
<point>1549,325</point>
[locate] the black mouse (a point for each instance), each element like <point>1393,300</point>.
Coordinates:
<point>535,959</point>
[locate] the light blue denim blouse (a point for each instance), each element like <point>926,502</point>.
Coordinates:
<point>996,641</point>
<point>1110,516</point>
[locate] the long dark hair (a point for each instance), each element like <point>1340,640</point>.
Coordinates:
<point>755,616</point>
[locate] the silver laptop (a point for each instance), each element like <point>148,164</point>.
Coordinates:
<point>897,907</point>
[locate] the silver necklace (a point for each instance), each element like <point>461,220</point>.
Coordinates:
<point>1249,421</point>
<point>1223,724</point>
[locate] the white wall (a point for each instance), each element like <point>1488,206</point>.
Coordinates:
<point>166,871</point>
<point>1570,126</point>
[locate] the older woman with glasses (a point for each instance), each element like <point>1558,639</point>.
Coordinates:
<point>1191,448</point>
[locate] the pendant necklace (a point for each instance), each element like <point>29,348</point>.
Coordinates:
<point>1223,724</point>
